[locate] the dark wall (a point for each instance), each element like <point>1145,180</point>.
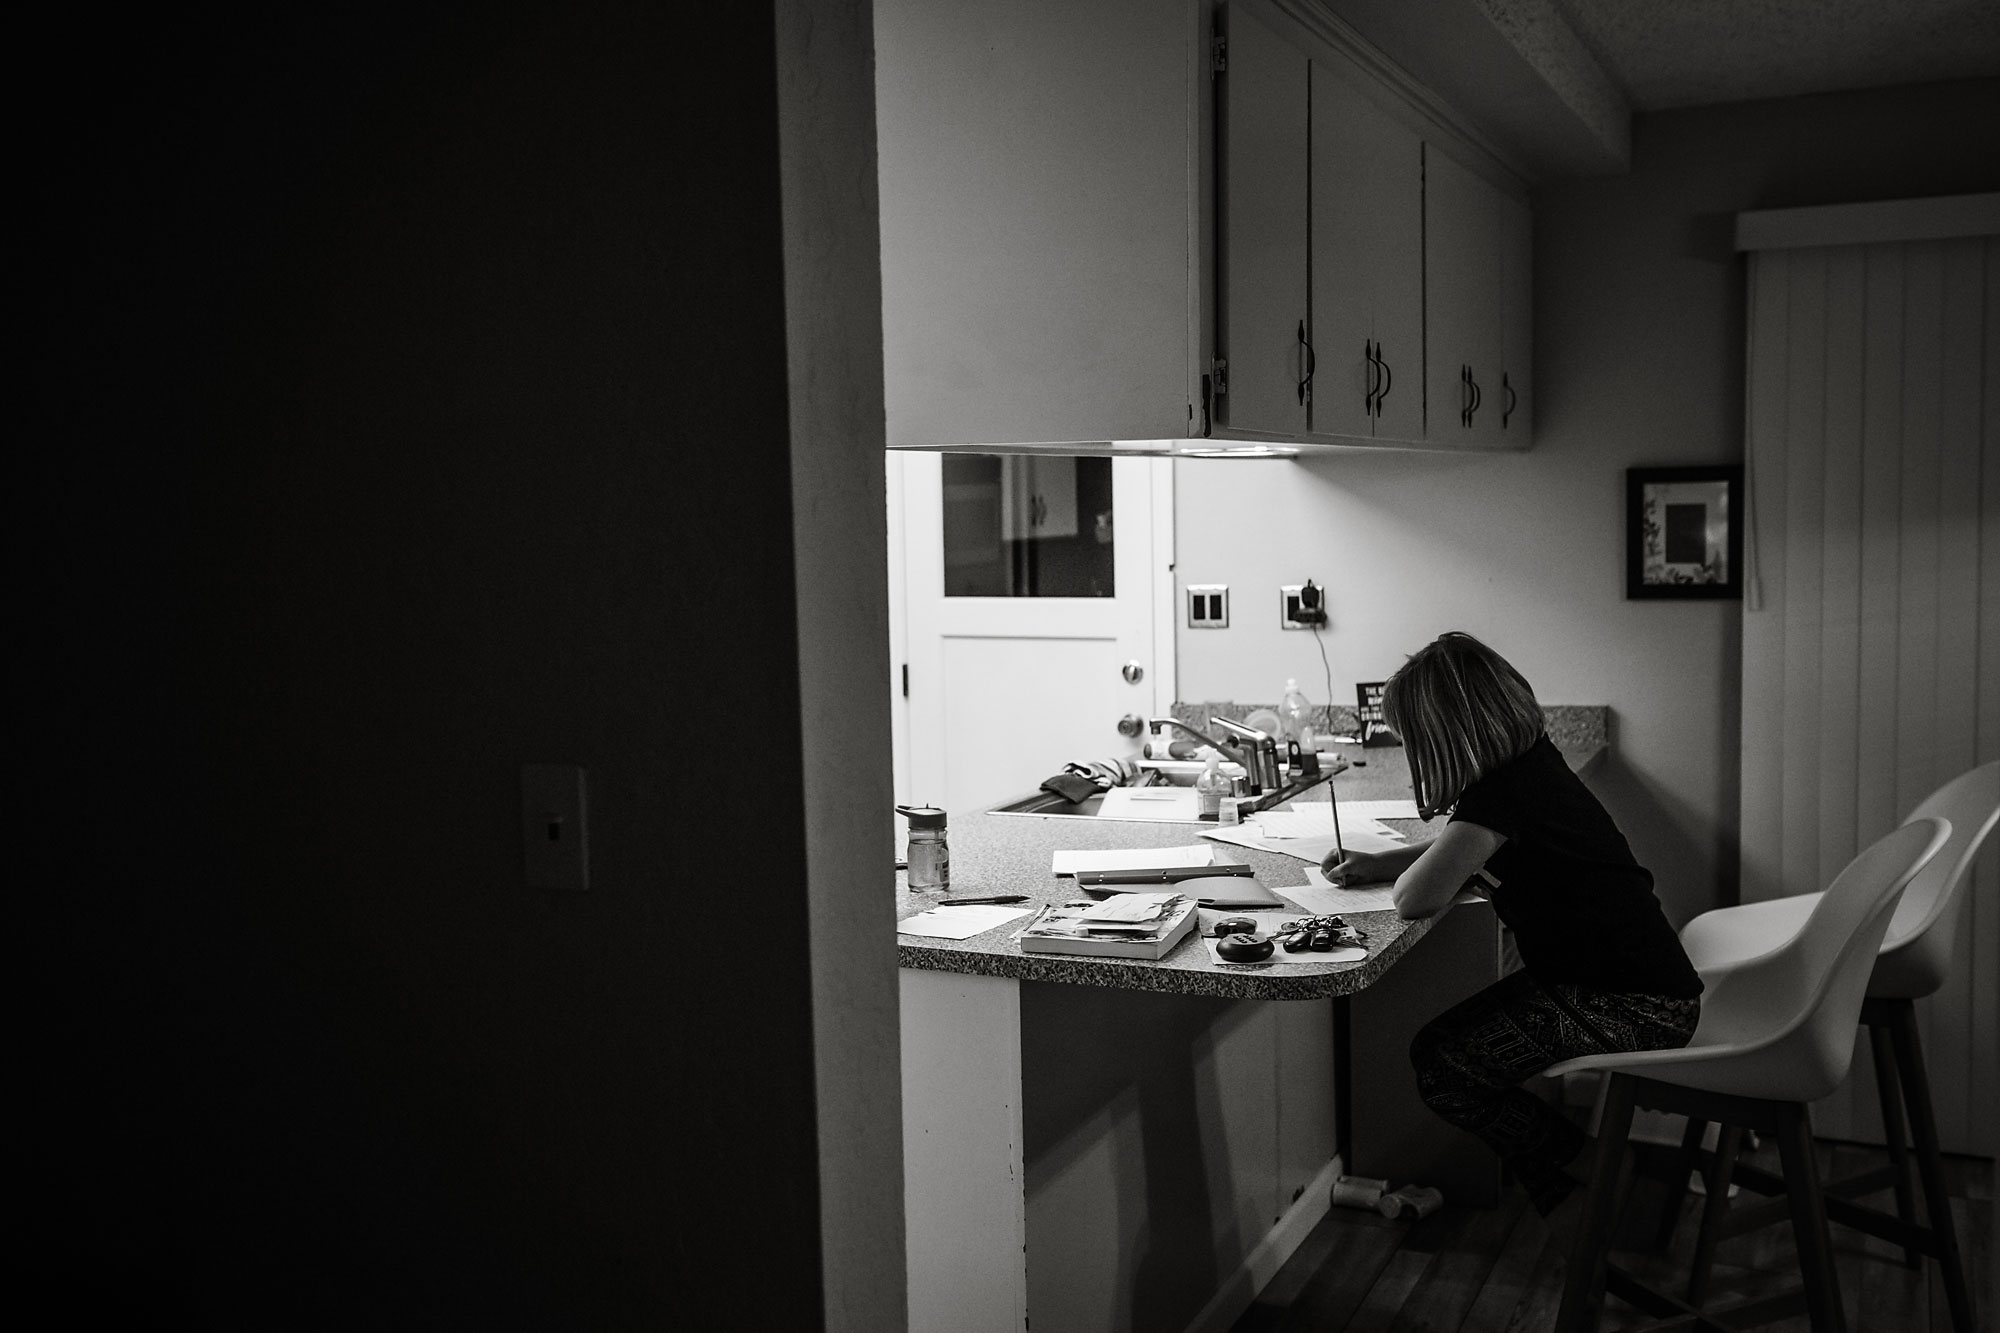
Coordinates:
<point>408,404</point>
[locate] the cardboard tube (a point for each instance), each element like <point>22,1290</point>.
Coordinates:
<point>1357,1191</point>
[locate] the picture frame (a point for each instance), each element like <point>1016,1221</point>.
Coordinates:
<point>1683,533</point>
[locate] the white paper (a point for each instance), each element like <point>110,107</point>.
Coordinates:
<point>1313,850</point>
<point>1130,908</point>
<point>1132,858</point>
<point>1316,821</point>
<point>1323,898</point>
<point>959,923</point>
<point>1180,805</point>
<point>1380,809</point>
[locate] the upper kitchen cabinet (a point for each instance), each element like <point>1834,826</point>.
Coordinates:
<point>1372,289</point>
<point>1476,309</point>
<point>1367,263</point>
<point>1041,215</point>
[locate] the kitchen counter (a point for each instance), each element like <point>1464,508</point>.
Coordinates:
<point>1000,854</point>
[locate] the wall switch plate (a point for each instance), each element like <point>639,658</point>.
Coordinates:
<point>555,832</point>
<point>1208,606</point>
<point>1301,606</point>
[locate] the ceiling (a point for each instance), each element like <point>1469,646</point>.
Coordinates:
<point>1678,53</point>
<point>1553,84</point>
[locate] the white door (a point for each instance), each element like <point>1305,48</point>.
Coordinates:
<point>1022,649</point>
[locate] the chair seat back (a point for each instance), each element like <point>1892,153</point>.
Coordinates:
<point>1916,955</point>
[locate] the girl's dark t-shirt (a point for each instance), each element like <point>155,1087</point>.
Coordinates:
<point>1565,882</point>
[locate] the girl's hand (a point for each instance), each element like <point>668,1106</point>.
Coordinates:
<point>1359,868</point>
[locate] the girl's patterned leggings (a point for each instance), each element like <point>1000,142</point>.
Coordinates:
<point>1471,1059</point>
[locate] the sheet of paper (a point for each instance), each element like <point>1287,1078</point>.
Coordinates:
<point>1132,858</point>
<point>1180,805</point>
<point>1316,821</point>
<point>1130,907</point>
<point>1306,849</point>
<point>1324,898</point>
<point>959,923</point>
<point>1379,809</point>
<point>1327,899</point>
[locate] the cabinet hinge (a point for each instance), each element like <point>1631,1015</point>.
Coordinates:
<point>1219,368</point>
<point>1218,54</point>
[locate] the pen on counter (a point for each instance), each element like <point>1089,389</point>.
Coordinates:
<point>997,898</point>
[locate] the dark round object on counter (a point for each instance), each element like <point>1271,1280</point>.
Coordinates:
<point>1244,949</point>
<point>1234,925</point>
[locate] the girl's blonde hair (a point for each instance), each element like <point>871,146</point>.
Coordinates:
<point>1461,711</point>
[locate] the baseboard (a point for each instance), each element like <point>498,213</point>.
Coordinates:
<point>1259,1266</point>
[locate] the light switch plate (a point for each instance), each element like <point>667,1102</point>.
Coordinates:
<point>555,830</point>
<point>1208,606</point>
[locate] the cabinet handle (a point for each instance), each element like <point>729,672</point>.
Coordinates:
<point>1309,362</point>
<point>1477,396</point>
<point>1368,357</point>
<point>1388,380</point>
<point>1464,394</point>
<point>1513,400</point>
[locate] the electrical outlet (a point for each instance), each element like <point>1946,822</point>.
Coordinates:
<point>1208,606</point>
<point>1301,606</point>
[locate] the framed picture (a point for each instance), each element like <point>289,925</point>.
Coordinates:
<point>1683,532</point>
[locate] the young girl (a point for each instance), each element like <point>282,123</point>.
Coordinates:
<point>1602,970</point>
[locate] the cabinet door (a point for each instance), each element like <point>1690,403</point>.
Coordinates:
<point>1367,264</point>
<point>1462,304</point>
<point>1036,200</point>
<point>1517,255</point>
<point>1262,223</point>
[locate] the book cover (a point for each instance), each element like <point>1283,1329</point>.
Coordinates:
<point>1147,926</point>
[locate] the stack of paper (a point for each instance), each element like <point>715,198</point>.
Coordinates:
<point>1147,928</point>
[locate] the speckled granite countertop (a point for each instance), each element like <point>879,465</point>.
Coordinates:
<point>994,854</point>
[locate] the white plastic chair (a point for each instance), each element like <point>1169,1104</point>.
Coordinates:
<point>1913,962</point>
<point>1776,1032</point>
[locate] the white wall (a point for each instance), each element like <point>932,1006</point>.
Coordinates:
<point>1639,357</point>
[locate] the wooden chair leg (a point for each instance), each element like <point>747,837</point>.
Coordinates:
<point>1923,1125</point>
<point>1583,1275</point>
<point>1815,1239</point>
<point>1714,1210</point>
<point>1677,1182</point>
<point>1895,1131</point>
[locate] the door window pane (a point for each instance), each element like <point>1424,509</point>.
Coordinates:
<point>1021,525</point>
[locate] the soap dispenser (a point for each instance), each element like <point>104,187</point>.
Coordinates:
<point>1295,717</point>
<point>1211,787</point>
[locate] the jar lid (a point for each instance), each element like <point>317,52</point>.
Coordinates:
<point>922,816</point>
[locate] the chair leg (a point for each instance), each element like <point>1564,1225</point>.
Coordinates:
<point>1815,1240</point>
<point>1714,1210</point>
<point>1923,1124</point>
<point>1895,1131</point>
<point>1583,1275</point>
<point>1677,1182</point>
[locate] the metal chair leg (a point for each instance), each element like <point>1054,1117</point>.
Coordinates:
<point>1815,1239</point>
<point>1714,1210</point>
<point>1677,1183</point>
<point>1923,1124</point>
<point>1894,1131</point>
<point>1584,1274</point>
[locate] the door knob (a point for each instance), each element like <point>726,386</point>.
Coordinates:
<point>1131,725</point>
<point>1133,673</point>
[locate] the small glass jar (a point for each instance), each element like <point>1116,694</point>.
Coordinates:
<point>929,855</point>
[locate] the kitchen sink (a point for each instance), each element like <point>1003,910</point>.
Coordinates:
<point>1166,773</point>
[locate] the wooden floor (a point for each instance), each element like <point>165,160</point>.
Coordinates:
<point>1477,1270</point>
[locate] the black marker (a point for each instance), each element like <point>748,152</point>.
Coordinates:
<point>998,898</point>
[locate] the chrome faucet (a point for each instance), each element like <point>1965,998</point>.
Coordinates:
<point>1256,751</point>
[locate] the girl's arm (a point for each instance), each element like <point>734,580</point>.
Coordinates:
<point>1441,868</point>
<point>1346,868</point>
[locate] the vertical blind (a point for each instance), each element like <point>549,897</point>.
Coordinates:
<point>1871,627</point>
